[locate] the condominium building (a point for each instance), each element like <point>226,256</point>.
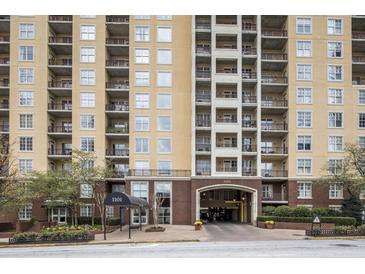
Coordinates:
<point>222,115</point>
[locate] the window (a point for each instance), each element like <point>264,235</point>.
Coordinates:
<point>164,123</point>
<point>163,17</point>
<point>25,212</point>
<point>142,34</point>
<point>87,164</point>
<point>26,120</point>
<point>26,75</point>
<point>142,100</point>
<point>164,167</point>
<point>26,53</point>
<point>164,145</point>
<point>304,166</point>
<point>87,99</point>
<point>334,49</point>
<point>304,25</point>
<point>164,34</point>
<point>335,73</point>
<point>164,56</point>
<point>362,141</point>
<point>362,96</point>
<point>304,95</point>
<point>304,190</point>
<point>87,32</point>
<point>139,190</point>
<point>304,143</point>
<point>87,144</point>
<point>87,54</point>
<point>335,119</point>
<point>25,166</point>
<point>142,123</point>
<point>304,119</point>
<point>142,56</point>
<point>87,77</point>
<point>335,96</point>
<point>142,17</point>
<point>335,143</point>
<point>109,212</point>
<point>25,143</point>
<point>304,48</point>
<point>86,191</point>
<point>334,166</point>
<point>118,188</point>
<point>336,191</point>
<point>26,98</point>
<point>142,78</point>
<point>163,190</point>
<point>142,145</point>
<point>304,72</point>
<point>164,79</point>
<point>334,26</point>
<point>87,121</point>
<point>267,191</point>
<point>142,165</point>
<point>362,193</point>
<point>361,120</point>
<point>86,210</point>
<point>164,100</point>
<point>26,31</point>
<point>87,16</point>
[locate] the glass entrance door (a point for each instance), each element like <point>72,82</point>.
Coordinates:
<point>59,215</point>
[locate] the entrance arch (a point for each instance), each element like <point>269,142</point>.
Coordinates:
<point>252,191</point>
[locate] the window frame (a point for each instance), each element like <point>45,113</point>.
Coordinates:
<point>20,31</point>
<point>342,120</point>
<point>87,33</point>
<point>328,50</point>
<point>311,96</point>
<point>342,72</point>
<point>311,118</point>
<point>158,38</point>
<point>158,145</point>
<point>20,53</point>
<point>87,55</point>
<point>342,25</point>
<point>147,57</point>
<point>304,166</point>
<point>139,101</point>
<point>311,25</point>
<point>304,143</point>
<point>147,118</point>
<point>304,49</point>
<point>304,72</point>
<point>335,97</point>
<point>300,191</point>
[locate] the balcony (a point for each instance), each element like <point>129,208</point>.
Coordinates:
<point>61,85</point>
<point>60,45</point>
<point>249,148</point>
<point>60,18</point>
<point>227,70</point>
<point>249,52</point>
<point>4,39</point>
<point>358,35</point>
<point>117,19</point>
<point>60,107</point>
<point>4,61</point>
<point>117,63</point>
<point>226,169</point>
<point>117,110</point>
<point>4,127</point>
<point>203,172</point>
<point>159,173</point>
<point>358,81</point>
<point>226,19</point>
<point>60,130</point>
<point>4,83</point>
<point>249,101</point>
<point>274,61</point>
<point>65,62</point>
<point>223,144</point>
<point>60,153</point>
<point>202,123</point>
<point>203,97</point>
<point>117,153</point>
<point>117,68</point>
<point>203,148</point>
<point>249,27</point>
<point>66,40</point>
<point>226,120</point>
<point>203,50</point>
<point>249,125</point>
<point>4,65</point>
<point>274,33</point>
<point>274,150</point>
<point>358,59</point>
<point>275,106</point>
<point>61,66</point>
<point>122,85</point>
<point>272,83</point>
<point>249,77</point>
<point>276,197</point>
<point>249,172</point>
<point>202,75</point>
<point>274,39</point>
<point>112,41</point>
<point>4,106</point>
<point>274,129</point>
<point>272,173</point>
<point>117,174</point>
<point>118,129</point>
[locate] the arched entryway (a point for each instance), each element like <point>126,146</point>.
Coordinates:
<point>228,202</point>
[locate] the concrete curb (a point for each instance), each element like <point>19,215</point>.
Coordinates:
<point>337,238</point>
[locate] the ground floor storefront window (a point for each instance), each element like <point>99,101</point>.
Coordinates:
<point>163,190</point>
<point>140,190</point>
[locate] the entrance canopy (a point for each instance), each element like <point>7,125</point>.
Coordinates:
<point>124,200</point>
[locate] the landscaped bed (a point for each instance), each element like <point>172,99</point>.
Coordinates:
<point>337,231</point>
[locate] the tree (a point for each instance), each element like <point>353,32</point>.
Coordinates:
<point>157,201</point>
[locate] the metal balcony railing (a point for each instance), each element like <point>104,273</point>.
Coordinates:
<point>249,51</point>
<point>52,106</point>
<point>203,147</point>
<point>118,174</point>
<point>249,148</point>
<point>62,18</point>
<point>227,94</point>
<point>121,84</point>
<point>4,83</point>
<point>268,79</point>
<point>249,75</point>
<point>159,173</point>
<point>249,124</point>
<point>60,62</point>
<point>203,25</point>
<point>60,84</point>
<point>117,152</point>
<point>117,107</point>
<point>248,26</point>
<point>274,103</point>
<point>226,120</point>
<point>4,61</point>
<point>4,38</point>
<point>118,129</point>
<point>226,70</point>
<point>117,19</point>
<point>274,173</point>
<point>223,144</point>
<point>202,74</point>
<point>274,150</point>
<point>203,172</point>
<point>274,33</point>
<point>274,126</point>
<point>248,99</point>
<point>358,59</point>
<point>226,169</point>
<point>249,172</point>
<point>4,105</point>
<point>358,35</point>
<point>276,196</point>
<point>225,45</point>
<point>117,63</point>
<point>203,97</point>
<point>274,56</point>
<point>60,129</point>
<point>117,41</point>
<point>60,40</point>
<point>202,123</point>
<point>60,152</point>
<point>4,127</point>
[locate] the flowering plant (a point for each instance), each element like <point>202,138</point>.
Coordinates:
<point>198,222</point>
<point>269,222</point>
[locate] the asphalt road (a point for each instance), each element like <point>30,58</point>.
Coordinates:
<point>296,248</point>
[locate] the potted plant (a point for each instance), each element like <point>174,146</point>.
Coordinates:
<point>198,224</point>
<point>269,224</point>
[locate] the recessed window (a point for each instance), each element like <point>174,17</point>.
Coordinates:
<point>304,25</point>
<point>304,190</point>
<point>304,119</point>
<point>87,77</point>
<point>142,78</point>
<point>164,17</point>
<point>26,143</point>
<point>164,79</point>
<point>142,100</point>
<point>86,191</point>
<point>142,167</point>
<point>86,210</point>
<point>25,166</point>
<point>304,72</point>
<point>304,166</point>
<point>304,143</point>
<point>164,145</point>
<point>87,16</point>
<point>26,31</point>
<point>164,123</point>
<point>361,120</point>
<point>267,191</point>
<point>142,123</point>
<point>26,121</point>
<point>87,121</point>
<point>142,145</point>
<point>362,96</point>
<point>87,32</point>
<point>304,95</point>
<point>164,34</point>
<point>87,54</point>
<point>164,56</point>
<point>336,191</point>
<point>335,96</point>
<point>87,99</point>
<point>334,26</point>
<point>26,98</point>
<point>25,212</point>
<point>26,75</point>
<point>335,119</point>
<point>304,48</point>
<point>87,144</point>
<point>164,100</point>
<point>26,53</point>
<point>362,141</point>
<point>142,56</point>
<point>335,73</point>
<point>142,17</point>
<point>334,49</point>
<point>335,143</point>
<point>164,167</point>
<point>142,34</point>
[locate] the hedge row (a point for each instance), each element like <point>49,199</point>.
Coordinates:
<point>335,220</point>
<point>300,211</point>
<point>97,221</point>
<point>52,236</point>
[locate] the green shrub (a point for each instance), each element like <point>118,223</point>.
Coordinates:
<point>301,211</point>
<point>61,235</point>
<point>283,211</point>
<point>326,212</point>
<point>335,220</point>
<point>25,236</point>
<point>268,210</point>
<point>341,229</point>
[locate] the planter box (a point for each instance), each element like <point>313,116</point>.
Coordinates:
<point>41,240</point>
<point>299,226</point>
<point>155,229</point>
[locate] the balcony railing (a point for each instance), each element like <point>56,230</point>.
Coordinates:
<point>226,70</point>
<point>226,169</point>
<point>249,124</point>
<point>249,51</point>
<point>202,97</point>
<point>274,33</point>
<point>4,38</point>
<point>203,147</point>
<point>249,172</point>
<point>117,19</point>
<point>226,120</point>
<point>159,173</point>
<point>117,152</point>
<point>120,129</point>
<point>249,75</point>
<point>121,84</point>
<point>60,84</point>
<point>274,150</point>
<point>117,41</point>
<point>267,79</point>
<point>4,83</point>
<point>221,144</point>
<point>274,103</point>
<point>62,18</point>
<point>274,126</point>
<point>249,99</point>
<point>248,26</point>
<point>358,59</point>
<point>60,152</point>
<point>358,35</point>
<point>4,127</point>
<point>203,172</point>
<point>117,63</point>
<point>202,123</point>
<point>203,25</point>
<point>117,107</point>
<point>248,148</point>
<point>4,105</point>
<point>52,106</point>
<point>227,94</point>
<point>118,174</point>
<point>275,197</point>
<point>60,129</point>
<point>225,45</point>
<point>202,74</point>
<point>274,173</point>
<point>4,61</point>
<point>203,49</point>
<point>60,62</point>
<point>60,40</point>
<point>274,56</point>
